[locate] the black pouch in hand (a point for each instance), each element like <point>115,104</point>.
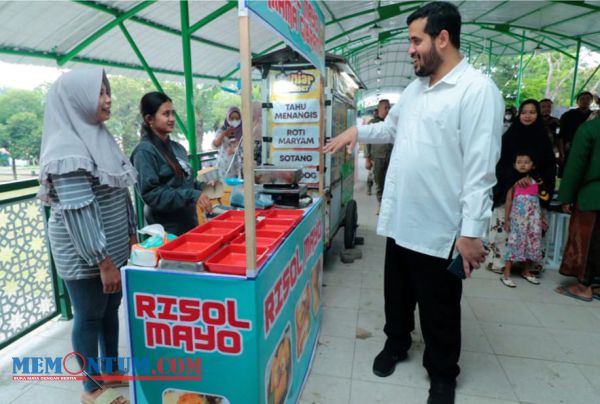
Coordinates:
<point>456,267</point>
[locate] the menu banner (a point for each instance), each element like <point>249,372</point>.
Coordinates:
<point>294,121</point>
<point>295,158</point>
<point>296,136</point>
<point>310,176</point>
<point>296,111</point>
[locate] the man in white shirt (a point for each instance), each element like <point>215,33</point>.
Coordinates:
<point>446,131</point>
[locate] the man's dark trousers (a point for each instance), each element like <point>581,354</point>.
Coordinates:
<point>412,278</point>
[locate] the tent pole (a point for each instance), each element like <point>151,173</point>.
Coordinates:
<point>488,69</point>
<point>189,84</point>
<point>574,87</point>
<point>248,143</point>
<point>582,88</point>
<point>520,75</point>
<point>323,79</point>
<point>150,73</point>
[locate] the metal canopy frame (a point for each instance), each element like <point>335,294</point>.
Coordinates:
<point>488,32</point>
<point>492,37</point>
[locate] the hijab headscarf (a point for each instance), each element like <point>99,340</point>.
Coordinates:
<point>72,138</point>
<point>533,140</point>
<point>236,131</point>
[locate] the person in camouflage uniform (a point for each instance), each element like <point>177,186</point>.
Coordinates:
<point>378,155</point>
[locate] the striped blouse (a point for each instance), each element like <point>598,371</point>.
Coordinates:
<point>88,222</point>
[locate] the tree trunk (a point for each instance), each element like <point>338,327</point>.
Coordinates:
<point>199,134</point>
<point>14,168</point>
<point>199,128</point>
<point>548,92</point>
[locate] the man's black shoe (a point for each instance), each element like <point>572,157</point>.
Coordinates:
<point>385,363</point>
<point>441,392</point>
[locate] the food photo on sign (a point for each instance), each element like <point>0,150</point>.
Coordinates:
<point>316,280</point>
<point>302,320</point>
<point>173,396</point>
<point>279,376</point>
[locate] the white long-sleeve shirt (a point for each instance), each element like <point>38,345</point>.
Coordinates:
<point>447,141</point>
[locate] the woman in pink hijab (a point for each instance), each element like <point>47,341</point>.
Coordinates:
<point>227,141</point>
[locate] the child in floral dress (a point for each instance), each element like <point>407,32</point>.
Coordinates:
<point>524,225</point>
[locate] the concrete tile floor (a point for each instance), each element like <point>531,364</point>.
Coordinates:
<point>523,345</point>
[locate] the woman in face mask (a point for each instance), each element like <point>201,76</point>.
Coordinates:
<point>226,141</point>
<point>509,118</point>
<point>527,133</point>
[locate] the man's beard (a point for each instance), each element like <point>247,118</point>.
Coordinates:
<point>429,63</point>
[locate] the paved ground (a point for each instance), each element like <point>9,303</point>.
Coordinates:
<point>523,345</point>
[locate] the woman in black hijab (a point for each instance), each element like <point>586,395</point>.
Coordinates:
<point>526,134</point>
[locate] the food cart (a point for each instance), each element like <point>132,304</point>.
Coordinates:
<point>225,338</point>
<point>290,101</point>
<point>240,323</point>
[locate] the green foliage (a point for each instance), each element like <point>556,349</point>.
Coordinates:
<point>14,101</point>
<point>22,113</point>
<point>545,75</point>
<point>210,107</point>
<point>212,103</point>
<point>126,120</point>
<point>21,117</point>
<point>24,133</point>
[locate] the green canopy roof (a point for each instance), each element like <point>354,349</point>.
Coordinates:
<point>132,37</point>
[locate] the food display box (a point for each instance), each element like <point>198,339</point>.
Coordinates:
<point>232,260</point>
<point>264,238</point>
<point>206,337</point>
<point>235,215</point>
<point>286,214</point>
<point>284,226</point>
<point>190,247</point>
<point>228,230</point>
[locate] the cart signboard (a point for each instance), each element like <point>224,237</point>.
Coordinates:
<point>296,136</point>
<point>300,22</point>
<point>294,120</point>
<point>296,158</point>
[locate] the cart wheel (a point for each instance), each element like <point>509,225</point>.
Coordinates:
<point>350,224</point>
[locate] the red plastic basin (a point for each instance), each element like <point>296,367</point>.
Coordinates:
<point>262,212</point>
<point>233,216</point>
<point>267,239</point>
<point>289,214</point>
<point>190,247</point>
<point>220,228</point>
<point>279,225</point>
<point>232,260</point>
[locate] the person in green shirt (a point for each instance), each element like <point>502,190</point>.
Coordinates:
<point>580,196</point>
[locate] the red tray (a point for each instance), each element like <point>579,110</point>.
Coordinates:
<point>280,225</point>
<point>262,212</point>
<point>190,247</point>
<point>233,216</point>
<point>267,239</point>
<point>220,228</point>
<point>232,260</point>
<point>288,214</point>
